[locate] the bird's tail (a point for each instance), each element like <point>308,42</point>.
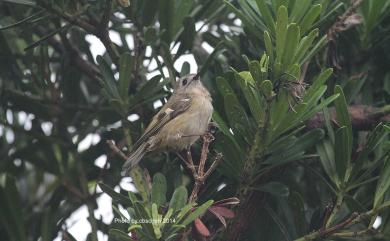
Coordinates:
<point>134,158</point>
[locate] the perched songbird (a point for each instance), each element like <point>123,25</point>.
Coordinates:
<point>179,123</point>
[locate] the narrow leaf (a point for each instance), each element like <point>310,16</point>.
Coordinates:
<point>179,198</point>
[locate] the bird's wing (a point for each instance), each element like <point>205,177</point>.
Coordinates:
<point>175,106</point>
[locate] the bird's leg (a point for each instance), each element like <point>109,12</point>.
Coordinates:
<point>189,161</point>
<point>211,129</point>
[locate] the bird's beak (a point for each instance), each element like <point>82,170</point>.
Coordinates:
<point>197,76</point>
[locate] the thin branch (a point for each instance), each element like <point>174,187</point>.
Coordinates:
<point>102,32</point>
<point>74,190</point>
<point>338,26</point>
<point>353,219</point>
<point>362,117</point>
<point>83,65</point>
<point>106,15</point>
<point>73,19</point>
<point>116,150</point>
<point>199,173</point>
<point>214,165</point>
<point>190,163</point>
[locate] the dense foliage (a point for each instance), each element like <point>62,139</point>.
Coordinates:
<point>300,90</point>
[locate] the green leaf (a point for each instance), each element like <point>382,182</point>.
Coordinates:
<point>326,153</point>
<point>150,35</point>
<point>281,32</point>
<point>319,107</point>
<point>157,221</point>
<point>109,83</point>
<point>179,198</point>
<point>217,50</point>
<point>310,17</point>
<point>354,205</point>
<point>118,235</point>
<point>167,57</point>
<point>124,75</point>
<point>187,36</point>
<point>383,184</point>
<point>159,189</point>
<point>182,9</point>
<point>293,37</point>
<point>46,37</point>
<point>275,188</point>
<point>223,86</point>
<point>299,9</point>
<point>185,69</point>
<point>279,109</point>
<point>255,71</point>
<point>24,20</point>
<point>247,84</point>
<point>266,88</point>
<point>140,182</point>
<point>280,227</point>
<point>309,139</point>
<point>297,206</point>
<point>197,212</point>
<point>284,142</point>
<point>142,213</point>
<point>317,83</point>
<point>248,23</point>
<point>315,49</point>
<point>301,145</point>
<point>343,117</point>
<point>266,14</point>
<point>268,45</point>
<point>184,210</point>
<point>222,126</point>
<point>11,215</point>
<point>116,197</point>
<point>304,44</point>
<point>149,89</point>
<point>303,111</point>
<point>24,2</point>
<point>46,225</point>
<point>342,156</point>
<point>264,66</point>
<point>119,213</point>
<point>374,139</point>
<point>238,119</point>
<point>166,18</point>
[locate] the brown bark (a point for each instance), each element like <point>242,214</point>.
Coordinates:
<point>362,117</point>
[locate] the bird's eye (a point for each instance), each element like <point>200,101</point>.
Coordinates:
<point>184,82</point>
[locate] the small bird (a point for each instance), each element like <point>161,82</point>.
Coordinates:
<point>179,123</point>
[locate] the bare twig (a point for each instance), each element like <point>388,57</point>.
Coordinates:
<point>346,21</point>
<point>83,65</point>
<point>190,163</point>
<point>324,233</point>
<point>329,210</point>
<point>116,150</point>
<point>106,15</point>
<point>338,26</point>
<point>74,190</point>
<point>103,34</point>
<point>214,165</point>
<point>354,218</point>
<point>101,31</point>
<point>70,18</point>
<point>199,173</point>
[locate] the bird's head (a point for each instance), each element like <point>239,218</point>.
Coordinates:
<point>188,84</point>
